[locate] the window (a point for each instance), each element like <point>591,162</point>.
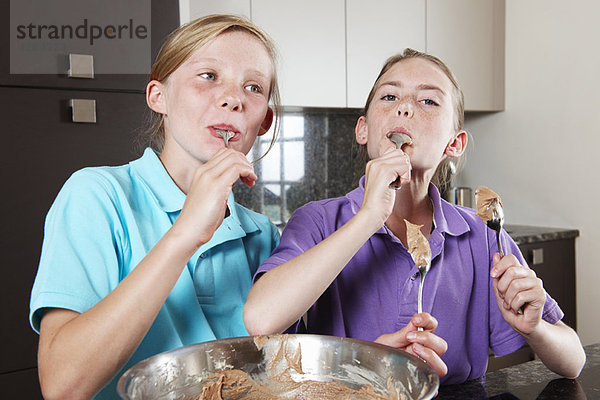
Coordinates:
<point>282,168</point>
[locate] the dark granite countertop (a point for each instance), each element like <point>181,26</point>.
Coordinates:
<point>523,234</point>
<point>531,380</point>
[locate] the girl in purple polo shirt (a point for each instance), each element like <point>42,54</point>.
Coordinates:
<point>343,264</point>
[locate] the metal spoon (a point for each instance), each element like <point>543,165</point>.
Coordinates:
<point>423,269</point>
<point>226,135</point>
<point>497,222</point>
<point>420,252</point>
<point>399,139</point>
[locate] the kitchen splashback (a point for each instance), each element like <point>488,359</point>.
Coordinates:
<point>315,157</point>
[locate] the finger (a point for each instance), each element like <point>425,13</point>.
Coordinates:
<point>396,339</point>
<point>430,357</point>
<point>514,276</point>
<point>231,166</point>
<point>429,340</point>
<point>531,295</point>
<point>424,320</point>
<point>501,264</point>
<point>250,181</point>
<point>390,166</point>
<point>398,161</point>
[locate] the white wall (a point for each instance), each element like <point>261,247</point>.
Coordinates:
<point>541,154</point>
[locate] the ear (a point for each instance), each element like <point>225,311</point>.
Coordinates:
<point>361,130</point>
<point>456,147</point>
<point>155,96</point>
<point>266,124</point>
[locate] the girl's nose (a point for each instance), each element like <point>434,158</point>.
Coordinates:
<point>231,100</point>
<point>405,108</point>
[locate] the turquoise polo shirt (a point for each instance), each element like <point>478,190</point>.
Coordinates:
<point>106,219</point>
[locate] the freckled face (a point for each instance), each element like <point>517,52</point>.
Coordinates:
<point>414,97</point>
<point>224,85</point>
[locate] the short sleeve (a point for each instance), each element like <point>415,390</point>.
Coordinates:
<point>302,232</point>
<point>81,250</point>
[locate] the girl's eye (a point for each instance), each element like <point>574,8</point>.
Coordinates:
<point>389,97</point>
<point>209,76</point>
<point>254,88</point>
<point>429,102</point>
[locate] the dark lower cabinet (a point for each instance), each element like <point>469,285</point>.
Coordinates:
<point>20,385</point>
<point>554,262</point>
<point>42,148</point>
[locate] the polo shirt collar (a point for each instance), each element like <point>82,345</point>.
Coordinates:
<point>152,173</point>
<point>154,176</point>
<point>446,217</point>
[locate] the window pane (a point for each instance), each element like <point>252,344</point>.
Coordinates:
<point>293,160</point>
<point>270,165</point>
<point>272,202</point>
<point>292,126</point>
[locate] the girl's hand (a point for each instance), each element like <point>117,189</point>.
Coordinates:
<point>380,173</point>
<point>423,344</point>
<point>519,293</point>
<point>206,201</point>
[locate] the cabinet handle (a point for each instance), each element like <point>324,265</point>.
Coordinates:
<point>537,256</point>
<point>83,110</point>
<point>81,66</point>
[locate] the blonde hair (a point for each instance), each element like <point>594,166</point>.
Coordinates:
<point>448,166</point>
<point>184,41</point>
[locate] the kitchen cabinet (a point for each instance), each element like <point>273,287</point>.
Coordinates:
<point>375,31</point>
<point>469,36</point>
<point>311,40</point>
<point>554,263</point>
<point>20,385</point>
<point>331,52</point>
<point>161,24</point>
<point>191,9</point>
<point>43,147</point>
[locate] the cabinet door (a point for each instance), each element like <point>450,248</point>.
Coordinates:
<point>468,35</point>
<point>311,40</point>
<point>554,263</point>
<point>21,385</point>
<point>376,30</point>
<point>164,18</point>
<point>192,9</point>
<point>41,149</point>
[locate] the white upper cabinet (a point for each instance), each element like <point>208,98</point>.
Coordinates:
<point>468,35</point>
<point>192,9</point>
<point>376,30</point>
<point>331,51</point>
<point>310,36</point>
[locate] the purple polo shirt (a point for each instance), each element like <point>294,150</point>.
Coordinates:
<point>376,292</point>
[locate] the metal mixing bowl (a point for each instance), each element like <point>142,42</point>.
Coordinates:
<point>181,373</point>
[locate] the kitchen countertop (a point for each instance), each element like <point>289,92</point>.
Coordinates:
<point>531,380</point>
<point>523,234</point>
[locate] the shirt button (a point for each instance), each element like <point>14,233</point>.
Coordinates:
<point>203,255</point>
<point>412,278</point>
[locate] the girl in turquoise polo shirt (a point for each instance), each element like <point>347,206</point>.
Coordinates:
<point>146,257</point>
